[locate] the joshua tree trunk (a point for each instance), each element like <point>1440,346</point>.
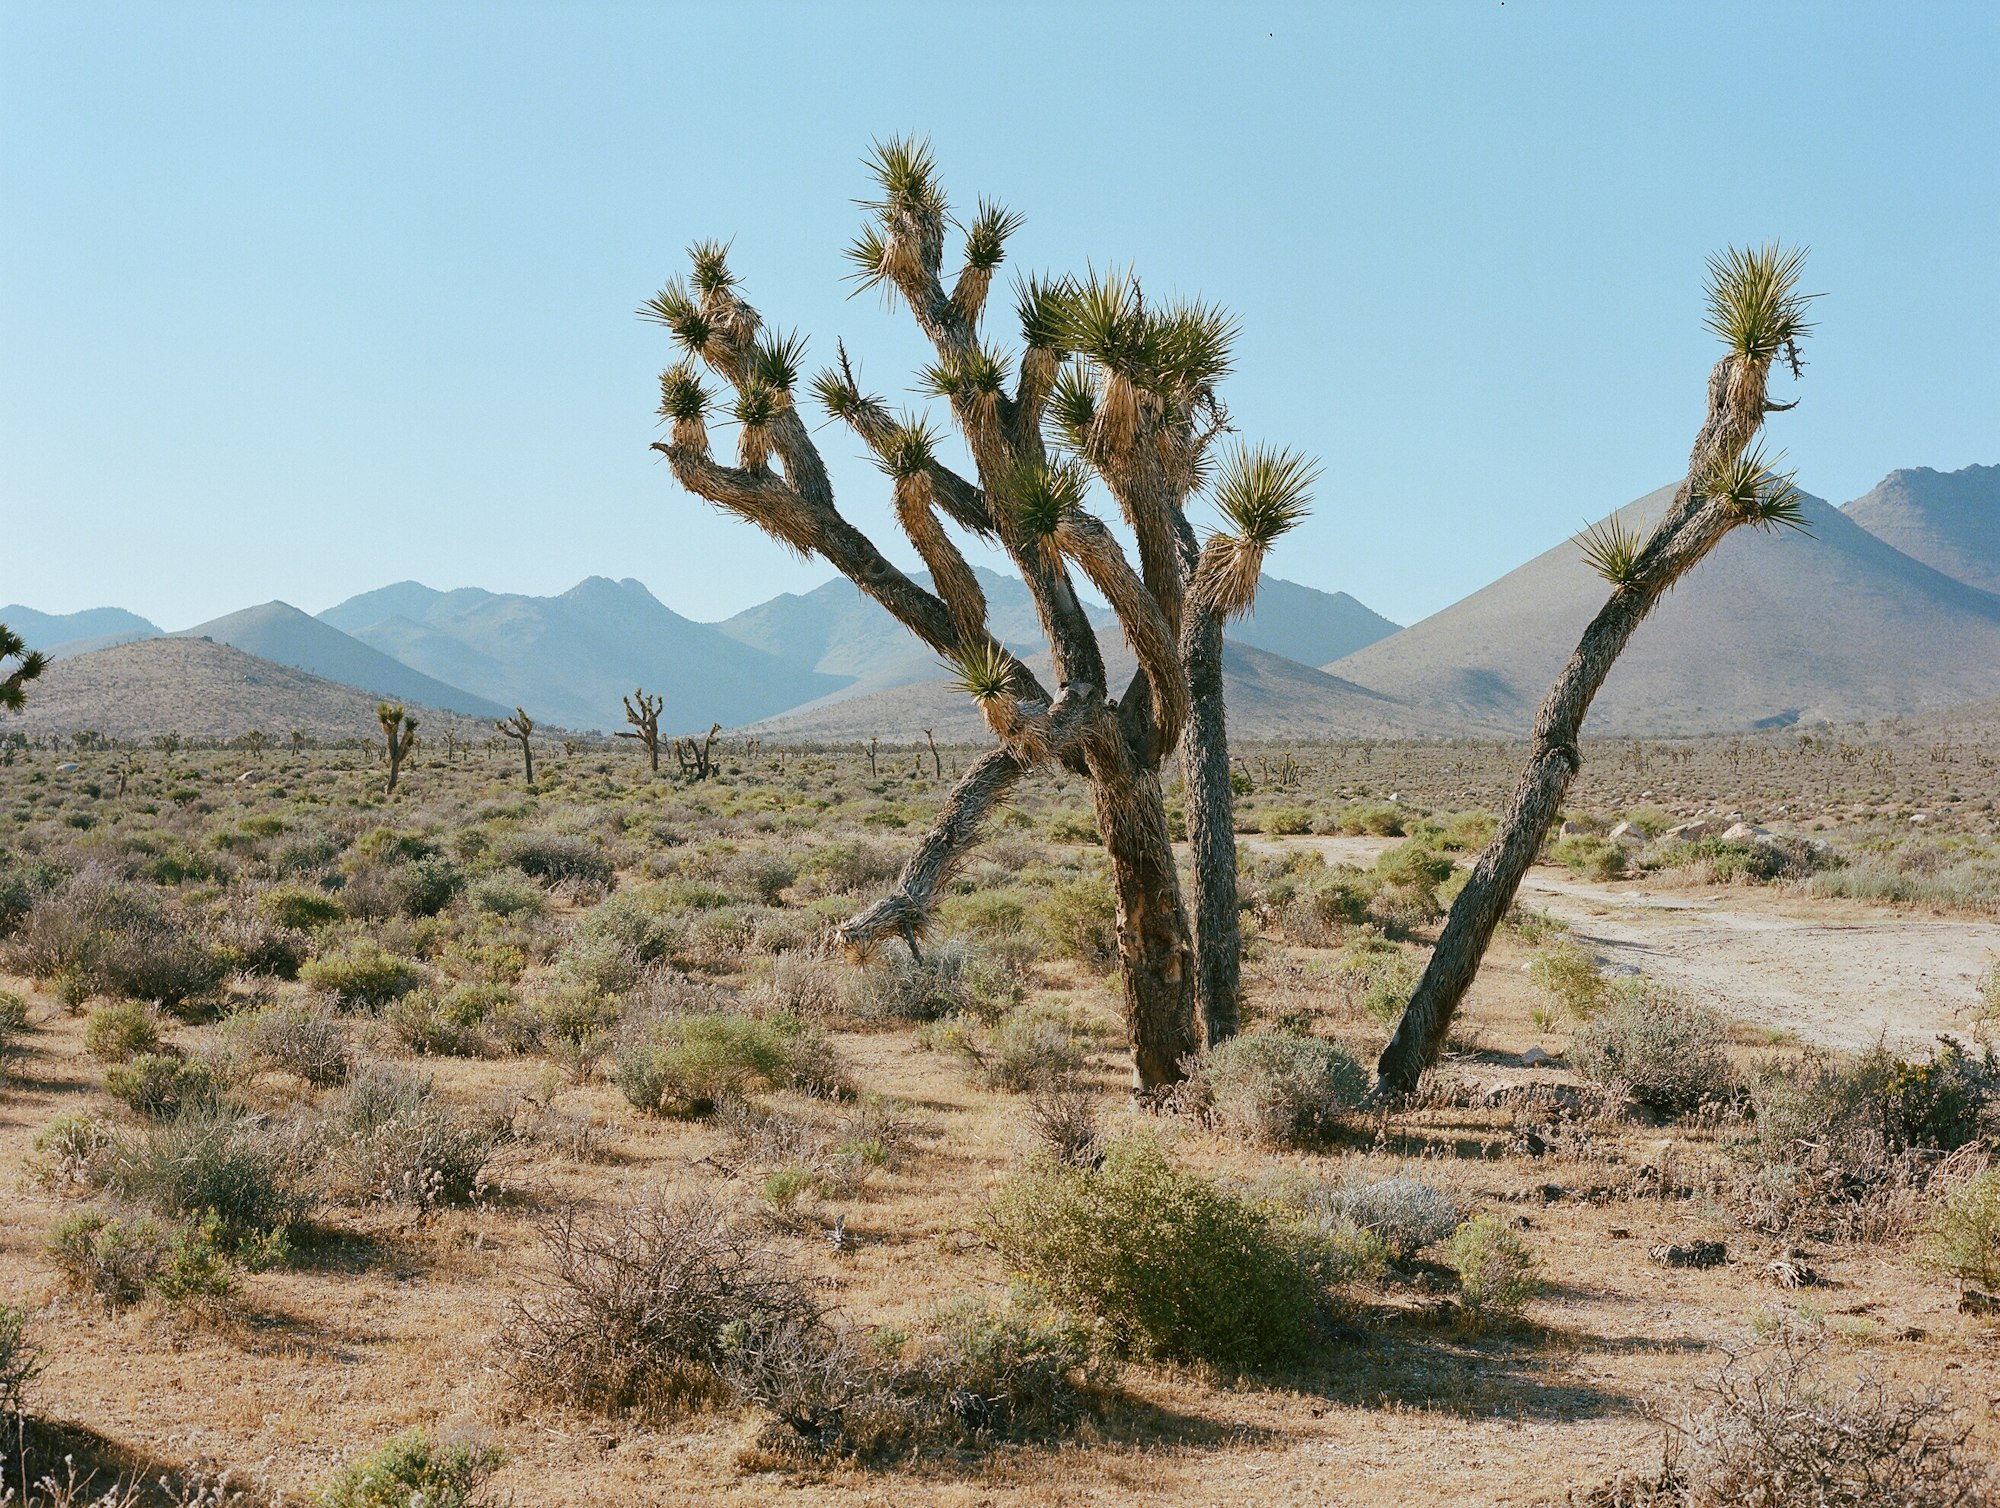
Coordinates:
<point>1755,307</point>
<point>1211,830</point>
<point>1106,387</point>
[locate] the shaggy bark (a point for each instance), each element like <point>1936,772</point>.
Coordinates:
<point>1211,830</point>
<point>1693,525</point>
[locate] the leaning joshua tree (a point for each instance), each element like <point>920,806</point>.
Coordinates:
<point>521,726</point>
<point>645,721</point>
<point>28,664</point>
<point>1108,388</point>
<point>399,731</point>
<point>1759,314</point>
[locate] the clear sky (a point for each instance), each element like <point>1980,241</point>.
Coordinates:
<point>298,300</point>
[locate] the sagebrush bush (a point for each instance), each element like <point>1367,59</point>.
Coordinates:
<point>1568,976</point>
<point>1275,1089</point>
<point>305,1038</point>
<point>103,935</point>
<point>444,1024</point>
<point>120,1031</point>
<point>507,894</point>
<point>1667,1048</point>
<point>560,861</point>
<point>361,972</point>
<point>393,1138</point>
<point>986,1371</point>
<point>302,907</point>
<point>410,1470</point>
<point>686,1065</point>
<point>1173,1265</point>
<point>1031,1047</point>
<point>1961,1235</point>
<point>71,1155</point>
<point>160,1085</point>
<point>1497,1274</point>
<point>258,1179</point>
<point>1407,1214</point>
<point>951,978</point>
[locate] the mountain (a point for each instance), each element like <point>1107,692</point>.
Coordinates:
<point>60,634</point>
<point>568,659</point>
<point>1305,624</point>
<point>1267,696</point>
<point>279,632</point>
<point>197,687</point>
<point>1772,629</point>
<point>1950,520</point>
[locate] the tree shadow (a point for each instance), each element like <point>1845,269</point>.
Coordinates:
<point>96,1464</point>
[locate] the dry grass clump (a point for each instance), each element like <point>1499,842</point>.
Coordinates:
<point>393,1138</point>
<point>159,1085</point>
<point>951,978</point>
<point>257,1179</point>
<point>1067,1123</point>
<point>20,1360</point>
<point>1273,1089</point>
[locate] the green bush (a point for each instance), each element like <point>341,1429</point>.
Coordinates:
<point>20,1361</point>
<point>1568,976</point>
<point>950,979</point>
<point>362,972</point>
<point>101,935</point>
<point>1080,919</point>
<point>1591,858</point>
<point>257,1179</point>
<point>72,1154</point>
<point>13,1012</point>
<point>1962,1234</point>
<point>117,1032</point>
<point>506,894</point>
<point>1278,1090</point>
<point>110,1257</point>
<point>1726,862</point>
<point>1376,818</point>
<point>1497,1274</point>
<point>1285,821</point>
<point>1377,978</point>
<point>1667,1049</point>
<point>559,860</point>
<point>1863,1108</point>
<point>409,1470</point>
<point>1174,1266</point>
<point>299,906</point>
<point>159,1085</point>
<point>444,1025</point>
<point>989,1371</point>
<point>685,1065</point>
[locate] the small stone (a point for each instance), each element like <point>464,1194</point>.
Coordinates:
<point>1694,1254</point>
<point>1619,1233</point>
<point>1534,1057</point>
<point>1625,832</point>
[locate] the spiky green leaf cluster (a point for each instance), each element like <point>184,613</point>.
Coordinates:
<point>1612,548</point>
<point>907,171</point>
<point>970,374</point>
<point>911,448</point>
<point>756,403</point>
<point>1754,304</point>
<point>869,252</point>
<point>1192,345</point>
<point>675,308</point>
<point>710,266</point>
<point>1042,496</point>
<point>837,396</point>
<point>986,237</point>
<point>681,394</point>
<point>1104,318</point>
<point>984,672</point>
<point>1264,492</point>
<point>1072,405</point>
<point>1042,305</point>
<point>775,360</point>
<point>31,663</point>
<point>1754,491</point>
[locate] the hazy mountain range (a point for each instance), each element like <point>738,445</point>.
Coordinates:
<point>1890,605</point>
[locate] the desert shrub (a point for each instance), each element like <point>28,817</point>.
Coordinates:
<point>1407,1214</point>
<point>20,1361</point>
<point>257,1179</point>
<point>444,1024</point>
<point>71,1155</point>
<point>1467,832</point>
<point>414,887</point>
<point>951,978</point>
<point>559,861</point>
<point>160,1085</point>
<point>1962,1235</point>
<point>302,907</point>
<point>106,936</point>
<point>1666,1048</point>
<point>1080,919</point>
<point>1366,817</point>
<point>408,1470</point>
<point>1497,1274</point>
<point>685,1065</point>
<point>1280,1090</point>
<point>803,986</point>
<point>506,894</point>
<point>1029,1047</point>
<point>1725,862</point>
<point>1285,821</point>
<point>984,1371</point>
<point>1568,975</point>
<point>111,1257</point>
<point>597,962</point>
<point>13,1012</point>
<point>845,866</point>
<point>393,1138</point>
<point>643,1309</point>
<point>1782,1431</point>
<point>763,874</point>
<point>1173,1265</point>
<point>117,1032</point>
<point>305,1038</point>
<point>1377,978</point>
<point>1416,865</point>
<point>1065,1120</point>
<point>642,921</point>
<point>1590,857</point>
<point>1870,1104</point>
<point>362,972</point>
<point>255,945</point>
<point>986,914</point>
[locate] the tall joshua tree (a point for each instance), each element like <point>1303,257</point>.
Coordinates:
<point>28,665</point>
<point>1755,308</point>
<point>1108,388</point>
<point>645,721</point>
<point>521,726</point>
<point>399,731</point>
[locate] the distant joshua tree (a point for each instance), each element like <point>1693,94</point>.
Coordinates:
<point>645,721</point>
<point>521,726</point>
<point>1755,308</point>
<point>28,665</point>
<point>399,731</point>
<point>697,760</point>
<point>1109,388</point>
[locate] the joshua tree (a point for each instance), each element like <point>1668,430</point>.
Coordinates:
<point>1109,387</point>
<point>1759,314</point>
<point>937,759</point>
<point>521,726</point>
<point>28,664</point>
<point>697,760</point>
<point>645,720</point>
<point>399,731</point>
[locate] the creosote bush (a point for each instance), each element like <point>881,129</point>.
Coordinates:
<point>160,1085</point>
<point>411,1469</point>
<point>1668,1049</point>
<point>1568,975</point>
<point>362,973</point>
<point>1961,1236</point>
<point>120,1031</point>
<point>1278,1090</point>
<point>1497,1274</point>
<point>686,1065</point>
<point>1174,1266</point>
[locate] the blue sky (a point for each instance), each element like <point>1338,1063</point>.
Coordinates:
<point>299,300</point>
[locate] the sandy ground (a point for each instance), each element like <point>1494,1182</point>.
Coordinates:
<point>1825,971</point>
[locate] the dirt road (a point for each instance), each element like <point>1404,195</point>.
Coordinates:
<point>1831,972</point>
